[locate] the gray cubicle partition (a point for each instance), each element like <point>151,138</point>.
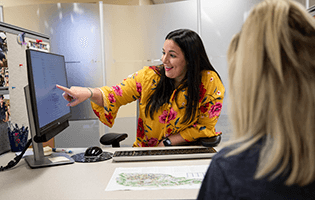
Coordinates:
<point>16,57</point>
<point>74,30</point>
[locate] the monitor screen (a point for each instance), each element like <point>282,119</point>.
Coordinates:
<point>50,113</point>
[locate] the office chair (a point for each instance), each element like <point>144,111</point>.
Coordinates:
<point>114,139</point>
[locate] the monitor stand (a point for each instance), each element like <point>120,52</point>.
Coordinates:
<point>38,159</point>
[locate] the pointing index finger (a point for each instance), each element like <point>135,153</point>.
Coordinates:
<point>63,88</point>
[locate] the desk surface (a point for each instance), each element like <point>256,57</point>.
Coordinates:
<point>81,180</point>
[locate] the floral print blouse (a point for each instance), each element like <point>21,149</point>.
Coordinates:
<point>167,120</point>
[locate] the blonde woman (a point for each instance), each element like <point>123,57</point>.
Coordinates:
<point>272,103</point>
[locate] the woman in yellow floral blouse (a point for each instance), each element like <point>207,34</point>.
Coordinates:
<point>179,101</point>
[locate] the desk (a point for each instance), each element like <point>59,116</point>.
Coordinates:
<point>81,180</point>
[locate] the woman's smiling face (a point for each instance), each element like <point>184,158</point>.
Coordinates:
<point>174,61</point>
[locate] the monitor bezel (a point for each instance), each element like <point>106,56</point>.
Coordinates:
<point>51,129</point>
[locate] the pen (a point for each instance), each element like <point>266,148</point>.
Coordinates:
<point>61,150</point>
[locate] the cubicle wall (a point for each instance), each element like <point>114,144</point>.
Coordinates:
<point>220,20</point>
<point>133,37</point>
<point>74,30</point>
<point>16,57</point>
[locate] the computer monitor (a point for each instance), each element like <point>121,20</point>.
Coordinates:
<point>47,112</point>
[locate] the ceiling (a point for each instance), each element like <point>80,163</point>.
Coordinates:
<point>10,3</point>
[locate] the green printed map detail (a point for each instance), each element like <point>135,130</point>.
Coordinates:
<point>153,180</point>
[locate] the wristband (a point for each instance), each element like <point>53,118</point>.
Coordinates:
<point>167,142</point>
<point>91,93</point>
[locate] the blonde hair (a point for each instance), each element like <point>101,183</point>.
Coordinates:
<point>272,90</point>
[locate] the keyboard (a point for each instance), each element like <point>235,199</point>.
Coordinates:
<point>169,153</point>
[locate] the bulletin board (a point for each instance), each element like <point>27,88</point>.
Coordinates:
<point>18,40</point>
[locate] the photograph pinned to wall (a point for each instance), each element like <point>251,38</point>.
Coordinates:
<point>38,45</point>
<point>3,60</point>
<point>3,49</point>
<point>21,39</point>
<point>4,139</point>
<point>7,102</point>
<point>6,78</point>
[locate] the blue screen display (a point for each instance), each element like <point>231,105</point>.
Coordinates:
<point>49,70</point>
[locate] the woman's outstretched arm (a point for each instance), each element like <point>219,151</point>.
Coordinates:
<point>76,95</point>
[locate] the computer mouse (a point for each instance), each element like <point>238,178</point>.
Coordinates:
<point>92,154</point>
<point>93,151</point>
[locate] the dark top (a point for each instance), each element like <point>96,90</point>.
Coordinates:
<point>3,110</point>
<point>232,178</point>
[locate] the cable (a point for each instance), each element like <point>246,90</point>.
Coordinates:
<point>17,159</point>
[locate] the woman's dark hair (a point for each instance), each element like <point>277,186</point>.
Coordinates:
<point>197,61</point>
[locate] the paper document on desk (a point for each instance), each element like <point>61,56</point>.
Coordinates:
<point>157,178</point>
<point>47,151</point>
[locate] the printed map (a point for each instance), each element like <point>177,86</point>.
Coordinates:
<point>155,178</point>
